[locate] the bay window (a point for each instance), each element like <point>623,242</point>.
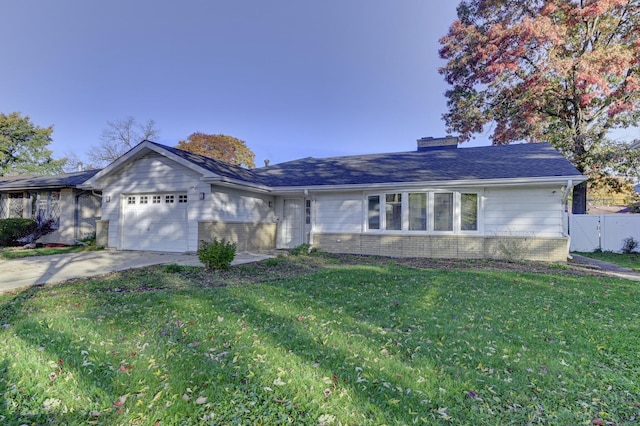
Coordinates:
<point>429,211</point>
<point>443,211</point>
<point>469,212</point>
<point>393,211</point>
<point>374,212</point>
<point>418,211</point>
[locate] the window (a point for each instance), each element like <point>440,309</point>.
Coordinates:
<point>168,199</point>
<point>374,212</point>
<point>469,212</point>
<point>443,211</point>
<point>393,211</point>
<point>156,199</point>
<point>47,205</point>
<point>182,198</point>
<point>307,212</point>
<point>14,206</point>
<point>144,199</point>
<point>428,211</point>
<point>131,200</point>
<point>418,211</point>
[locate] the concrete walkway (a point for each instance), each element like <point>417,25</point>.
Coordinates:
<point>29,271</point>
<point>605,268</point>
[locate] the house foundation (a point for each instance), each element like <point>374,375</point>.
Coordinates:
<point>452,247</point>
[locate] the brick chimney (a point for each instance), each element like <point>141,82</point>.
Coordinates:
<point>429,142</point>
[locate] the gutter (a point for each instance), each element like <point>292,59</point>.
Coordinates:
<point>433,184</point>
<point>225,181</point>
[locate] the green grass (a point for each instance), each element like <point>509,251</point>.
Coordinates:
<point>15,253</point>
<point>320,341</point>
<point>631,261</point>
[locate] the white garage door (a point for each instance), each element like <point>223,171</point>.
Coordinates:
<point>155,221</point>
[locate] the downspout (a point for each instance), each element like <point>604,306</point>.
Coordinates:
<point>76,216</point>
<point>565,204</point>
<point>312,221</point>
<point>566,223</point>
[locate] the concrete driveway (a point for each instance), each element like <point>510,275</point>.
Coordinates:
<point>28,271</point>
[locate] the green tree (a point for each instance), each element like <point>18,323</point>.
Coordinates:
<point>221,147</point>
<point>562,71</point>
<point>23,147</point>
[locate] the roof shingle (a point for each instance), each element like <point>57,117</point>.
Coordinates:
<point>530,160</point>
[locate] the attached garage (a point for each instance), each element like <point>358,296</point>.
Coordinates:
<point>155,222</point>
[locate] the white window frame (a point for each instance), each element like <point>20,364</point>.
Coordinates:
<point>47,204</point>
<point>430,204</point>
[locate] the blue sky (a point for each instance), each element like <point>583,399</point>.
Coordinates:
<point>292,78</point>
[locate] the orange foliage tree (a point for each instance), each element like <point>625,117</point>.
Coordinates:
<point>562,71</point>
<point>220,147</point>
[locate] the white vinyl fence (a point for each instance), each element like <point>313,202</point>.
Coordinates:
<point>606,232</point>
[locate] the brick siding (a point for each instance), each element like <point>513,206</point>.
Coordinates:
<point>247,236</point>
<point>445,246</point>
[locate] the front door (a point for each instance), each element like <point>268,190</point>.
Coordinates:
<point>291,227</point>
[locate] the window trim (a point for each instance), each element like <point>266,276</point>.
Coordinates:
<point>430,212</point>
<point>52,203</point>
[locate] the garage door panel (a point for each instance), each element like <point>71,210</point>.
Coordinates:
<point>155,225</point>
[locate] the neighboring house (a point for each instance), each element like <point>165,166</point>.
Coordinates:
<point>439,201</point>
<point>74,210</point>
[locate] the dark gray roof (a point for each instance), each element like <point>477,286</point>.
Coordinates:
<point>530,160</point>
<point>216,166</point>
<point>64,180</point>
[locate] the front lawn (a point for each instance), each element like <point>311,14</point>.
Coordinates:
<point>631,260</point>
<point>18,252</point>
<point>321,340</point>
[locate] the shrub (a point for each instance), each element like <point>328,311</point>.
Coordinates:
<point>42,227</point>
<point>272,261</point>
<point>302,249</point>
<point>217,254</point>
<point>11,230</point>
<point>173,268</point>
<point>629,245</point>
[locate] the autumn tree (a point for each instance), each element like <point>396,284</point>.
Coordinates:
<point>119,137</point>
<point>221,147</point>
<point>23,147</point>
<point>562,71</point>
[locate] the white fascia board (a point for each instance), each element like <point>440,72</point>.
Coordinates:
<point>136,152</point>
<point>551,180</point>
<point>235,183</point>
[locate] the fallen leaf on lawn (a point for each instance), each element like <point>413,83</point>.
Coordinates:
<point>201,400</point>
<point>120,401</point>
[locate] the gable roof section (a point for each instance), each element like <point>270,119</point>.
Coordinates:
<point>64,180</point>
<point>217,167</point>
<point>211,170</point>
<point>532,161</point>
